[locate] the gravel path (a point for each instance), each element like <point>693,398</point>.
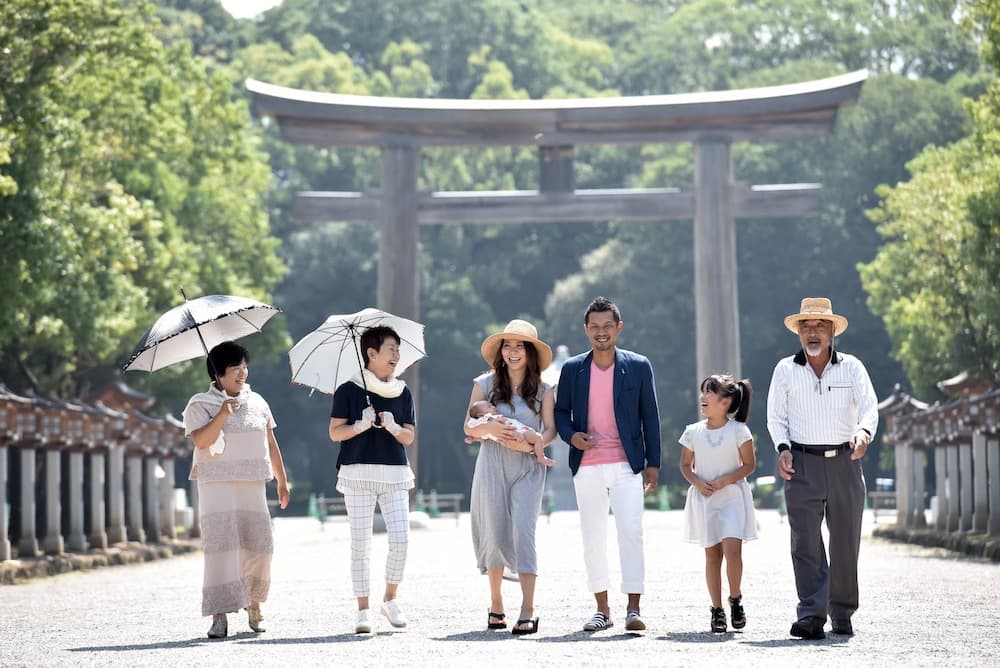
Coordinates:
<point>919,607</point>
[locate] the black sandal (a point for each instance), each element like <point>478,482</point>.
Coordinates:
<point>739,617</point>
<point>496,620</point>
<point>718,620</point>
<point>523,632</point>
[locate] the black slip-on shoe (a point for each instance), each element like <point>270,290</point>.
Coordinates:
<point>810,628</point>
<point>842,627</point>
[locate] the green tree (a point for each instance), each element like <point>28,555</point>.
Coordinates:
<point>933,281</point>
<point>670,46</point>
<point>135,175</point>
<point>213,33</point>
<point>477,277</point>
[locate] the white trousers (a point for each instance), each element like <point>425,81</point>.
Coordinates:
<point>395,506</point>
<point>596,488</point>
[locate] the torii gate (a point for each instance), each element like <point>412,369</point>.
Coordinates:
<point>713,121</point>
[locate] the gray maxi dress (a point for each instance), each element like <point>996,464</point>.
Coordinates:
<point>506,496</point>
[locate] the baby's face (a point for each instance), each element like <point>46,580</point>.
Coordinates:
<point>483,408</point>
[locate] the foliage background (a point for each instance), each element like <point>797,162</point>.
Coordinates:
<point>130,166</point>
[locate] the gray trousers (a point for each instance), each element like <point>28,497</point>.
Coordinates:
<point>833,487</point>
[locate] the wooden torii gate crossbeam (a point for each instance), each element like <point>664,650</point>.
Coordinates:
<point>713,121</point>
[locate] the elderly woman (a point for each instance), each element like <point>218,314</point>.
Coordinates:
<point>372,467</point>
<point>235,454</point>
<point>508,481</point>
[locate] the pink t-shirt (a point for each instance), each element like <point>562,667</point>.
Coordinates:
<point>601,419</point>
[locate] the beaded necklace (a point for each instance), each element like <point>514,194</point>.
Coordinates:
<point>714,442</point>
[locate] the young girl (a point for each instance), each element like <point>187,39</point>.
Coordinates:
<point>717,457</point>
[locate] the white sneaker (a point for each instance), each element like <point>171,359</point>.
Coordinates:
<point>364,623</point>
<point>392,612</point>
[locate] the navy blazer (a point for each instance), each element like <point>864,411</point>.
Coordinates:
<point>636,412</point>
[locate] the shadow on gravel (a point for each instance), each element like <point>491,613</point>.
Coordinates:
<point>792,642</point>
<point>175,644</point>
<point>587,636</point>
<point>482,636</point>
<point>322,640</point>
<point>700,637</point>
<point>244,638</point>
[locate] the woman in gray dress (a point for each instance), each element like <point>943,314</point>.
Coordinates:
<point>508,481</point>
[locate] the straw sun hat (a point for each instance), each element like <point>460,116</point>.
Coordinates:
<point>517,330</point>
<point>816,308</point>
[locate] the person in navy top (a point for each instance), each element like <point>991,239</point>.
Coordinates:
<point>373,420</point>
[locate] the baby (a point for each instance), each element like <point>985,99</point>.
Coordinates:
<point>483,411</point>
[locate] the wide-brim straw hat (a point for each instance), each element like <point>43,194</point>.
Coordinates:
<point>517,330</point>
<point>816,308</point>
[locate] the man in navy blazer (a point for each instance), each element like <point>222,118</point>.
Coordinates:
<point>606,410</point>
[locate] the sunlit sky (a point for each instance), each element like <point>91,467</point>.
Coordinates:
<point>245,9</point>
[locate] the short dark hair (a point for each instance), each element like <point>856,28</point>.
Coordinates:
<point>374,337</point>
<point>738,392</point>
<point>600,305</point>
<point>223,356</point>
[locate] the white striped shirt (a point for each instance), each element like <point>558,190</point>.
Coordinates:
<point>826,410</point>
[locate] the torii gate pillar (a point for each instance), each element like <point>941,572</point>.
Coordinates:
<point>716,296</point>
<point>400,239</point>
<point>399,248</point>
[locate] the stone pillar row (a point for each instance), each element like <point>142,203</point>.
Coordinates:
<point>118,509</point>
<point>5,551</point>
<point>81,472</point>
<point>961,440</point>
<point>967,479</point>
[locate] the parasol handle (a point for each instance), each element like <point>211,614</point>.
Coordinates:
<point>361,365</point>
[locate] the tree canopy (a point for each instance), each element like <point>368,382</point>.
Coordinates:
<point>130,167</point>
<point>130,173</point>
<point>933,280</point>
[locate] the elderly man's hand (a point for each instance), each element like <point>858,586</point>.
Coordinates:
<point>859,443</point>
<point>785,469</point>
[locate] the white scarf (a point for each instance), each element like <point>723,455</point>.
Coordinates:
<point>215,398</point>
<point>390,389</point>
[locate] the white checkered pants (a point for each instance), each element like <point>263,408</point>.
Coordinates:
<point>395,507</point>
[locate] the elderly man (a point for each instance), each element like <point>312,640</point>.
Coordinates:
<point>822,414</point>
